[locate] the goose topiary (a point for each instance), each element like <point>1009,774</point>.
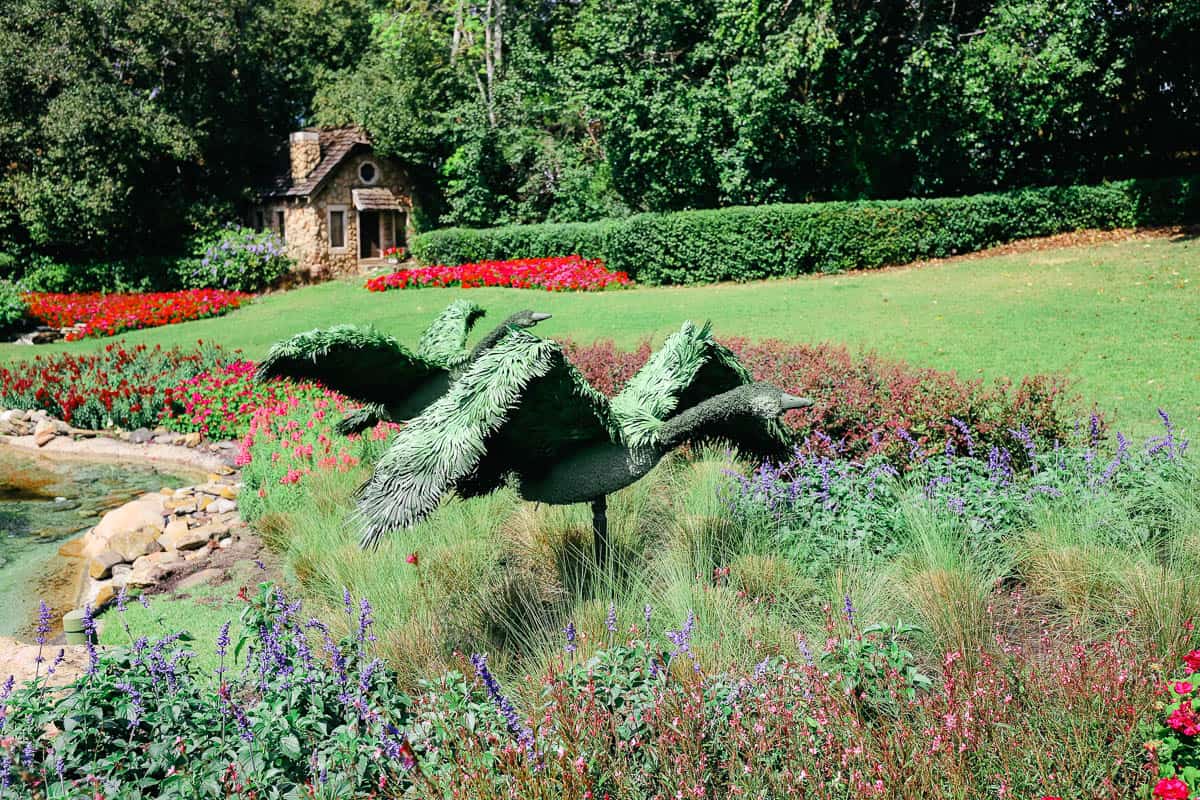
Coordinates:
<point>522,413</point>
<point>373,368</point>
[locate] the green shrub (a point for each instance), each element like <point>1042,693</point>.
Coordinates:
<point>235,258</point>
<point>13,309</point>
<point>45,274</point>
<point>751,243</point>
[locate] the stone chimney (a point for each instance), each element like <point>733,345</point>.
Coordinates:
<point>305,149</point>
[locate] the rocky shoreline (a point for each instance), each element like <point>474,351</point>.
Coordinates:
<point>164,541</point>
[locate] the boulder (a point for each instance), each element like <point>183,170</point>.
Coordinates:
<point>191,440</point>
<point>132,545</point>
<point>222,505</point>
<point>20,661</point>
<point>141,436</point>
<point>104,594</point>
<point>72,548</point>
<point>100,566</point>
<point>145,512</point>
<point>44,432</point>
<point>181,537</point>
<point>150,569</point>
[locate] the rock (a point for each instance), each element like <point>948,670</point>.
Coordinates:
<point>132,545</point>
<point>145,512</point>
<point>44,432</point>
<point>210,575</point>
<point>180,507</point>
<point>72,548</point>
<point>103,596</point>
<point>100,566</point>
<point>183,538</point>
<point>221,470</point>
<point>141,436</point>
<point>203,502</point>
<point>222,506</point>
<point>150,569</point>
<point>14,415</point>
<point>191,440</point>
<point>20,661</point>
<point>225,543</point>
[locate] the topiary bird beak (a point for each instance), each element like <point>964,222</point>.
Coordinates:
<point>790,401</point>
<point>539,317</point>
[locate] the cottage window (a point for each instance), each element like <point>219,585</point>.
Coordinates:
<point>337,228</point>
<point>279,225</point>
<point>368,172</point>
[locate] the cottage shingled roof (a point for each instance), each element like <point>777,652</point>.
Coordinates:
<point>336,144</point>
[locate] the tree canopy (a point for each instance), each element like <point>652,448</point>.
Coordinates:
<point>124,125</point>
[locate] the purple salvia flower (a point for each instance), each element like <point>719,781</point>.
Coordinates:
<point>569,632</point>
<point>365,621</point>
<point>610,621</point>
<point>646,612</point>
<point>347,602</point>
<point>848,607</point>
<point>965,430</point>
<point>89,630</point>
<point>507,711</point>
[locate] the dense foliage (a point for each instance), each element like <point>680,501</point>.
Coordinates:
<point>863,401</point>
<point>528,112</point>
<point>234,258</point>
<point>14,310</point>
<point>292,708</point>
<point>825,509</point>
<point>128,387</point>
<point>1175,747</point>
<point>126,128</point>
<point>559,274</point>
<point>781,240</point>
<point>97,315</point>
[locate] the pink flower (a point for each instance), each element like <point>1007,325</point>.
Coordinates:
<point>1183,687</point>
<point>1192,660</point>
<point>413,559</point>
<point>1171,789</point>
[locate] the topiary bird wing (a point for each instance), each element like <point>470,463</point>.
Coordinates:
<point>444,342</point>
<point>689,368</point>
<point>518,408</point>
<point>358,361</point>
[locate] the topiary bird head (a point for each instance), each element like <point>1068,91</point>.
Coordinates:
<point>767,400</point>
<point>526,319</point>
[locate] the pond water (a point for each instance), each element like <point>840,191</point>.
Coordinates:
<point>44,503</point>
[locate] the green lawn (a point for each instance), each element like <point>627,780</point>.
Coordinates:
<point>1121,318</point>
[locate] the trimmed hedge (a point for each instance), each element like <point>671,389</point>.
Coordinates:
<point>749,243</point>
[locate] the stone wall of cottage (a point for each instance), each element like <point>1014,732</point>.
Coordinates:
<point>306,221</point>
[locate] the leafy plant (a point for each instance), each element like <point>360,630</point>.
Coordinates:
<point>234,258</point>
<point>13,308</point>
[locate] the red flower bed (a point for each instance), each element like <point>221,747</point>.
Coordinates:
<point>562,274</point>
<point>110,314</point>
<point>864,401</point>
<point>129,387</point>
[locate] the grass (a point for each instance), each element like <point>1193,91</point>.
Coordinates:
<point>1122,318</point>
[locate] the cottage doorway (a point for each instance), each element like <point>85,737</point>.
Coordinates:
<point>370,235</point>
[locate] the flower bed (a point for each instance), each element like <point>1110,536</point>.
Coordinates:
<point>110,314</point>
<point>562,274</point>
<point>129,387</point>
<point>864,401</point>
<point>292,437</point>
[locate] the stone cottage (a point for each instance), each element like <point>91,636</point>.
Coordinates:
<point>340,207</point>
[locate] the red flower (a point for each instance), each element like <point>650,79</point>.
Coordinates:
<point>413,559</point>
<point>563,273</point>
<point>1192,660</point>
<point>1183,687</point>
<point>1171,789</point>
